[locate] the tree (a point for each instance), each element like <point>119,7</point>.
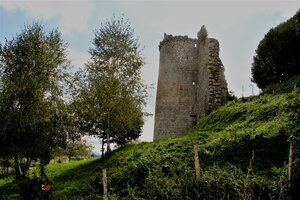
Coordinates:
<point>110,96</point>
<point>32,68</point>
<point>277,55</point>
<point>75,149</point>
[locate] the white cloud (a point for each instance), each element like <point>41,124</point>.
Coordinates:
<point>71,15</point>
<point>174,15</point>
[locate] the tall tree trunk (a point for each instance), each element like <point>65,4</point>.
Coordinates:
<point>21,168</point>
<point>108,142</point>
<point>42,171</point>
<point>102,148</point>
<point>108,137</point>
<point>18,171</point>
<point>26,166</point>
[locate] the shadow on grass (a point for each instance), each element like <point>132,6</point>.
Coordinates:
<point>10,190</point>
<point>75,182</point>
<point>69,183</point>
<point>81,171</point>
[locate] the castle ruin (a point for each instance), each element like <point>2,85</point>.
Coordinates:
<point>191,83</point>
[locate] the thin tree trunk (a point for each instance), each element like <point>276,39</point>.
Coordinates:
<point>108,137</point>
<point>102,148</point>
<point>28,162</point>
<point>108,142</point>
<point>26,166</point>
<point>21,169</point>
<point>17,168</point>
<point>42,170</point>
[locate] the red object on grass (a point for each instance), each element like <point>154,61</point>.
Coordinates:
<point>47,188</point>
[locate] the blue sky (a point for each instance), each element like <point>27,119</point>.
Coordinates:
<point>238,25</point>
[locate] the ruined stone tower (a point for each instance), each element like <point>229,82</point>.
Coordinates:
<point>191,83</point>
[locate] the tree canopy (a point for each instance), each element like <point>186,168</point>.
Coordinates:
<point>75,149</point>
<point>32,67</point>
<point>277,55</point>
<point>110,94</point>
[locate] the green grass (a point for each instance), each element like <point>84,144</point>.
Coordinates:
<point>66,178</point>
<point>165,169</point>
<point>72,179</point>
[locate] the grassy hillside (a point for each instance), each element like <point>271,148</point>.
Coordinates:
<point>228,138</point>
<point>66,179</point>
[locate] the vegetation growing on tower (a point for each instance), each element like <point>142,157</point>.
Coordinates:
<point>202,34</point>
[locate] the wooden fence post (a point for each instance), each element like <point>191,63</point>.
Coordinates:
<point>104,175</point>
<point>250,168</point>
<point>290,162</point>
<point>197,162</point>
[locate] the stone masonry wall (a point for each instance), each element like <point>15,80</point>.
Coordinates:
<point>191,83</point>
<point>217,85</point>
